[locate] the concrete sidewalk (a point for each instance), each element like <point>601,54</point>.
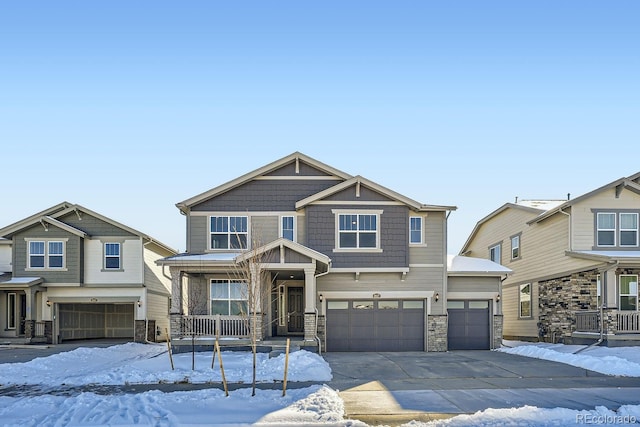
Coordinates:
<point>395,388</point>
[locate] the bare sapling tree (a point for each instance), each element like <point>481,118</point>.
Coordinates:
<point>250,269</point>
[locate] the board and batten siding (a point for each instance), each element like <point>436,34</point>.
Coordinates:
<point>584,218</point>
<point>132,271</point>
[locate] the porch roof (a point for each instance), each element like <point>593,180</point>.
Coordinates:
<point>21,282</point>
<point>607,256</point>
<point>217,258</point>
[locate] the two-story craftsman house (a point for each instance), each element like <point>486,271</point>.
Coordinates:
<point>351,265</point>
<point>575,264</point>
<point>75,274</point>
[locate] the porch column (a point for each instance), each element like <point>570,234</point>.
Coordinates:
<point>610,291</point>
<point>31,305</point>
<point>309,304</point>
<point>175,313</point>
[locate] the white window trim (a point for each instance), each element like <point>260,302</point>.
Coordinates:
<point>229,233</point>
<point>12,321</point>
<point>514,248</point>
<point>614,229</point>
<point>228,300</point>
<point>422,240</point>
<point>520,301</point>
<point>46,267</point>
<point>498,248</point>
<point>338,212</point>
<point>295,227</point>
<point>629,229</point>
<point>104,255</point>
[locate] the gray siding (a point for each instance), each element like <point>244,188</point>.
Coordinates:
<point>290,170</point>
<point>198,234</point>
<point>255,196</point>
<point>73,255</point>
<point>434,250</point>
<point>394,239</point>
<point>264,229</point>
<point>473,284</point>
<point>292,257</point>
<point>93,226</point>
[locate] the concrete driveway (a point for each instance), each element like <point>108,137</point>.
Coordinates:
<point>394,388</point>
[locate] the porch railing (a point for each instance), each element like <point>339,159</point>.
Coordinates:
<point>216,325</point>
<point>629,322</point>
<point>587,321</point>
<point>39,329</point>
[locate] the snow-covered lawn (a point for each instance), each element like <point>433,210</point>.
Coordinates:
<point>315,405</point>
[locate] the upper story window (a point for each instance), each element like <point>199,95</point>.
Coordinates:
<point>495,253</point>
<point>525,300</point>
<point>229,232</point>
<point>287,228</point>
<point>628,289</point>
<point>415,230</point>
<point>112,259</point>
<point>617,229</point>
<point>46,254</point>
<point>515,247</point>
<point>357,230</point>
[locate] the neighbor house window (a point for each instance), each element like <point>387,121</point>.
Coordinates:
<point>494,254</point>
<point>229,232</point>
<point>515,247</point>
<point>357,230</point>
<point>288,228</point>
<point>46,254</point>
<point>628,229</point>
<point>606,229</point>
<point>229,297</point>
<point>112,259</point>
<point>11,311</point>
<point>415,230</point>
<point>525,300</point>
<point>628,288</point>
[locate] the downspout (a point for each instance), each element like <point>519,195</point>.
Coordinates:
<point>315,331</point>
<point>603,287</point>
<point>570,227</point>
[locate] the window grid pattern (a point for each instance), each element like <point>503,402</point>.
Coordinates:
<point>358,231</point>
<point>229,297</point>
<point>415,230</point>
<point>229,232</point>
<point>112,256</point>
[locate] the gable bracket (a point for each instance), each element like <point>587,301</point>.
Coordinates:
<point>44,224</point>
<point>282,259</point>
<point>358,188</point>
<point>619,190</point>
<point>357,276</point>
<point>297,165</point>
<point>78,214</point>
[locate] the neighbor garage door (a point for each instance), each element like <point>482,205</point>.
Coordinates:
<point>375,325</point>
<point>468,325</point>
<point>86,321</point>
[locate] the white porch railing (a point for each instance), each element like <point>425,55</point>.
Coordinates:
<point>214,326</point>
<point>629,322</point>
<point>39,332</point>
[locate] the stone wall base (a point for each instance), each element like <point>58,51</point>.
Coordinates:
<point>437,327</point>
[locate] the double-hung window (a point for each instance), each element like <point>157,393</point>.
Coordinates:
<point>515,247</point>
<point>229,297</point>
<point>287,227</point>
<point>617,229</point>
<point>628,288</point>
<point>46,254</point>
<point>415,230</point>
<point>228,232</point>
<point>358,230</point>
<point>112,260</point>
<point>606,228</point>
<point>494,254</point>
<point>525,300</point>
<point>628,229</point>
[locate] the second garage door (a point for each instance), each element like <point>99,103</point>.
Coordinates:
<point>375,325</point>
<point>88,321</point>
<point>468,325</point>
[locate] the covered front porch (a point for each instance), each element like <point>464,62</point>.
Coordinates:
<point>267,294</point>
<point>20,297</point>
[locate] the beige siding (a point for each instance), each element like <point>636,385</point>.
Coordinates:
<point>514,327</point>
<point>158,310</point>
<point>584,219</point>
<point>154,278</point>
<point>433,250</point>
<point>132,263</point>
<point>473,284</point>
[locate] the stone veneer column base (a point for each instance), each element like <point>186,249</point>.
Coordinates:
<point>498,322</point>
<point>437,332</point>
<point>140,332</point>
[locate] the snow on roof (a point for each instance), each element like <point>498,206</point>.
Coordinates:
<point>23,281</point>
<point>544,205</point>
<point>465,264</point>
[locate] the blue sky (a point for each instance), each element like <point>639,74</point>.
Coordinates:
<point>130,107</point>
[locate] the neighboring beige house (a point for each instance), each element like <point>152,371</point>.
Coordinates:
<point>575,263</point>
<point>75,274</point>
<point>350,266</point>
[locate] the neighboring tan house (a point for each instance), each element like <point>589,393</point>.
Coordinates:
<point>575,262</point>
<point>76,274</point>
<point>346,265</point>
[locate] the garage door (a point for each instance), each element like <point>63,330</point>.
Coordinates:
<point>468,325</point>
<point>375,325</point>
<point>87,321</point>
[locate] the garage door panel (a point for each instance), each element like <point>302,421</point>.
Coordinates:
<point>468,325</point>
<point>382,325</point>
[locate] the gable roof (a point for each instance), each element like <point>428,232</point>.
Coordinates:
<point>293,157</point>
<point>537,207</point>
<point>359,180</point>
<point>52,215</point>
<point>282,242</point>
<point>629,183</point>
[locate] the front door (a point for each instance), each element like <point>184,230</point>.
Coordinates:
<point>295,309</point>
